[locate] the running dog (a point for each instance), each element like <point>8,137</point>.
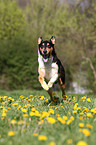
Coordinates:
<point>50,68</point>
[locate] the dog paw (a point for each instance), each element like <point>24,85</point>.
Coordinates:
<point>50,85</point>
<point>45,86</point>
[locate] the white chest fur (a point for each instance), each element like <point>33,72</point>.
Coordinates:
<point>47,69</point>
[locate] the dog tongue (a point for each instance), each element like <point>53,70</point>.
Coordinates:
<point>45,60</point>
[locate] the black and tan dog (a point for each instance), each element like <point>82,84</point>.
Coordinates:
<point>50,67</point>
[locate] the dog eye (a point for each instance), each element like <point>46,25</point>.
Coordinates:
<point>41,47</point>
<point>49,46</point>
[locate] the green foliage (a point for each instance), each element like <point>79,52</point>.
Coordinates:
<point>20,28</point>
<point>11,19</point>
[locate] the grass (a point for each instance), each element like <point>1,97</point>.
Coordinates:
<point>27,118</point>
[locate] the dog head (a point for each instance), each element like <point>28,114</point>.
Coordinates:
<point>46,48</point>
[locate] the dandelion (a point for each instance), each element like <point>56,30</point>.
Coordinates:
<point>42,137</point>
<point>52,143</point>
<point>19,107</point>
<point>46,100</point>
<point>81,113</point>
<point>61,120</point>
<point>20,122</point>
<point>33,109</point>
<point>89,115</point>
<point>14,104</point>
<point>31,96</point>
<point>37,114</point>
<point>88,100</point>
<point>51,120</point>
<point>32,113</point>
<point>86,132</point>
<point>13,122</point>
<point>44,114</point>
<point>75,111</point>
<point>81,118</point>
<point>35,134</point>
<point>81,124</point>
<point>81,143</point>
<point>72,118</point>
<point>93,110</point>
<point>23,110</point>
<point>65,117</point>
<point>51,111</point>
<point>78,108</point>
<point>11,133</point>
<point>25,115</point>
<point>4,114</point>
<point>69,121</point>
<point>69,141</point>
<point>89,126</point>
<point>42,98</point>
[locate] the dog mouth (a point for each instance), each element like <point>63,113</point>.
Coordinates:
<point>45,57</point>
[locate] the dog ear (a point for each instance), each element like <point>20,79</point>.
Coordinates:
<point>40,40</point>
<point>52,40</point>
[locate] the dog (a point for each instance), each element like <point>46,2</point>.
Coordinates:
<point>50,68</point>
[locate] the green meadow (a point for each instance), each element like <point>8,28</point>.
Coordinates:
<point>28,118</point>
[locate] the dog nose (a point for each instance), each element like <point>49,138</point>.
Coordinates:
<point>45,51</point>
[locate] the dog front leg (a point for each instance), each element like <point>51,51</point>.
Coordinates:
<point>52,80</point>
<point>43,83</point>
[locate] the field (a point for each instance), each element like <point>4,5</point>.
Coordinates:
<point>27,117</point>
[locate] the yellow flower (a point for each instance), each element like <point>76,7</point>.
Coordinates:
<point>69,121</point>
<point>11,133</point>
<point>3,114</point>
<point>81,124</point>
<point>25,115</point>
<point>78,108</point>
<point>37,114</point>
<point>33,109</point>
<point>89,115</point>
<point>83,97</point>
<point>14,104</point>
<point>51,120</point>
<point>74,111</point>
<point>13,122</point>
<point>23,110</point>
<point>72,118</point>
<point>69,141</point>
<point>51,111</point>
<point>52,143</point>
<point>93,110</point>
<point>44,114</point>
<point>81,143</point>
<point>81,118</point>
<point>42,137</point>
<point>46,100</point>
<point>86,132</point>
<point>42,98</point>
<point>32,113</point>
<point>19,107</point>
<point>20,122</point>
<point>35,134</point>
<point>81,113</point>
<point>85,109</point>
<point>89,126</point>
<point>65,117</point>
<point>31,96</point>
<point>61,120</point>
<point>88,100</point>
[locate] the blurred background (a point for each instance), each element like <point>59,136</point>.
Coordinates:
<point>72,22</point>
